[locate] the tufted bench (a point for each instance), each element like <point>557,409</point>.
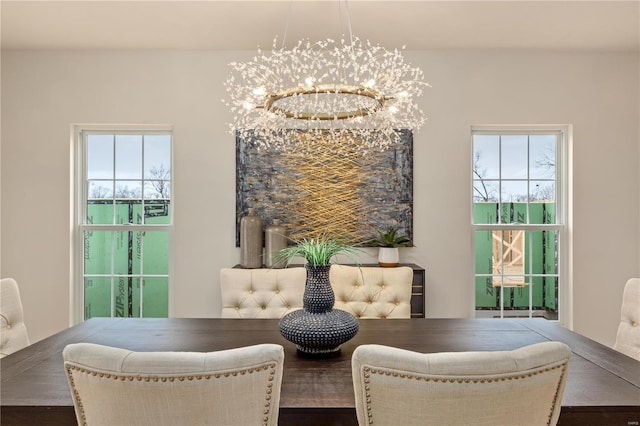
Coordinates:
<point>366,292</point>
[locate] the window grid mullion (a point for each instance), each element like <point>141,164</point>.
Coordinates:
<point>113,182</point>
<point>528,179</point>
<point>112,280</point>
<point>142,194</point>
<point>499,179</point>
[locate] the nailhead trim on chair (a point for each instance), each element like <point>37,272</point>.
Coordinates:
<point>271,367</point>
<point>367,371</point>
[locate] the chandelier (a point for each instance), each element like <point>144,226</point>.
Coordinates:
<point>355,89</point>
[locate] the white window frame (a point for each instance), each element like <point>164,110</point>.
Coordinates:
<point>79,209</point>
<point>563,209</point>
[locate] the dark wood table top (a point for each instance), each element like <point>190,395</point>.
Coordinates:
<point>603,386</point>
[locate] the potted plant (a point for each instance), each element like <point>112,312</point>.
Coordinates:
<point>318,328</point>
<point>388,254</point>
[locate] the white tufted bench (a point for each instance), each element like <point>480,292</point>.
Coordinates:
<point>366,292</point>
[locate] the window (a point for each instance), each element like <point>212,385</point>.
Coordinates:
<point>518,220</point>
<point>124,222</point>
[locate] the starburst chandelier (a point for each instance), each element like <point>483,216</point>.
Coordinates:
<point>349,87</point>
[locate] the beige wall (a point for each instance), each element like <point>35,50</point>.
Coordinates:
<point>43,93</point>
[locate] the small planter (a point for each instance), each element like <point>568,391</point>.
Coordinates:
<point>388,257</point>
<point>389,242</point>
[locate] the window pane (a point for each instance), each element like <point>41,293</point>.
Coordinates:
<point>543,156</point>
<point>485,190</point>
<point>123,303</point>
<point>129,189</point>
<point>157,157</point>
<point>126,258</point>
<point>128,211</point>
<point>100,189</point>
<point>154,294</point>
<point>157,212</point>
<point>544,252</point>
<point>543,213</point>
<point>128,156</point>
<point>514,191</point>
<point>486,156</point>
<point>99,157</point>
<point>514,156</point>
<point>100,212</point>
<point>484,213</point>
<point>155,298</point>
<point>157,189</point>
<point>508,256</point>
<point>156,253</point>
<point>513,212</point>
<point>97,297</point>
<point>486,293</point>
<point>136,309</point>
<point>97,252</point>
<point>542,190</point>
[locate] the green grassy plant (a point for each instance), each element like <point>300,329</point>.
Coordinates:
<point>319,250</point>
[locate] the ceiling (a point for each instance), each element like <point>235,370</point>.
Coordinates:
<point>241,24</point>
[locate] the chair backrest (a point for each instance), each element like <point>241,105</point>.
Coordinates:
<point>520,387</point>
<point>366,292</point>
<point>372,292</point>
<point>628,335</point>
<point>113,386</point>
<point>261,293</point>
<point>14,335</point>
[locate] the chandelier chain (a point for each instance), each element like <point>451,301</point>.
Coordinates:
<point>286,25</point>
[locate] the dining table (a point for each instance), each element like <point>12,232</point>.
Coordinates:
<point>603,386</point>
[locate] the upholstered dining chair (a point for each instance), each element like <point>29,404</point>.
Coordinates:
<point>373,292</point>
<point>113,386</point>
<point>628,335</point>
<point>14,335</point>
<point>261,293</point>
<point>399,387</point>
<point>365,292</point>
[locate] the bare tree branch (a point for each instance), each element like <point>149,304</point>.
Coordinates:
<point>159,185</point>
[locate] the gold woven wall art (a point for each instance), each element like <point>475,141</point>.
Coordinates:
<point>328,186</point>
<point>327,180</point>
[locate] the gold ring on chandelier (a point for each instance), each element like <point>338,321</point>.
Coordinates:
<point>271,101</point>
